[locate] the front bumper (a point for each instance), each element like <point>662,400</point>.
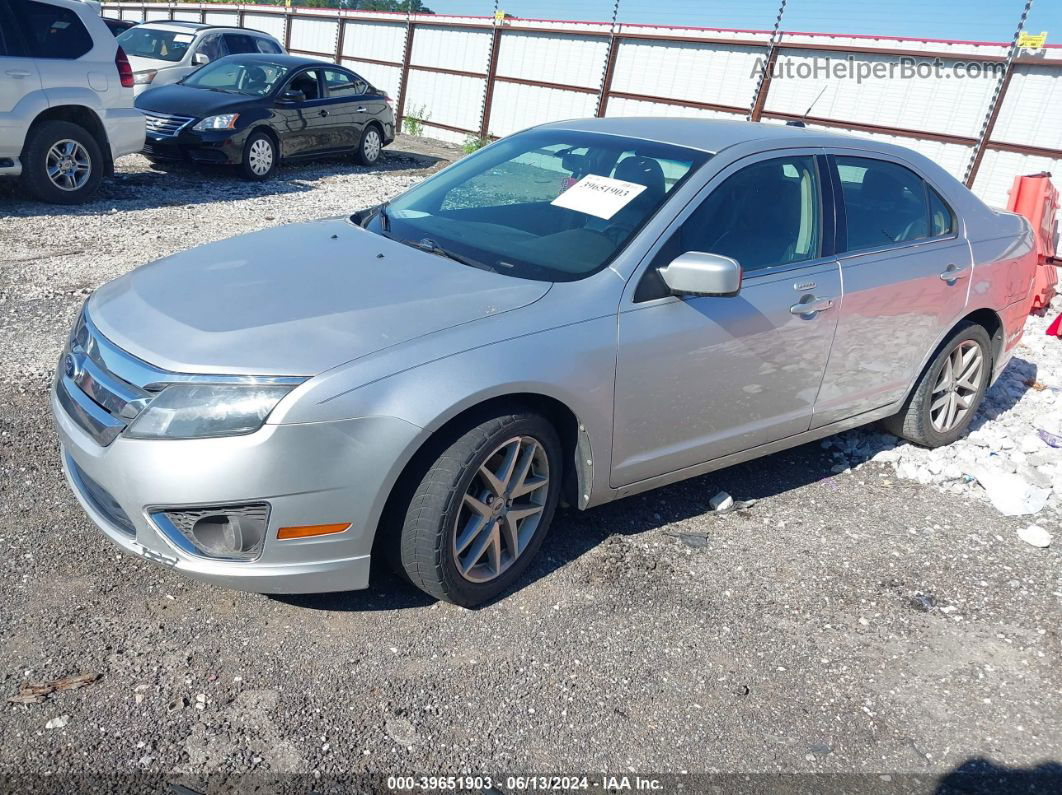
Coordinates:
<point>220,147</point>
<point>314,473</point>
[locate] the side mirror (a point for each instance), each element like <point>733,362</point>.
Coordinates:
<point>700,273</point>
<point>292,95</point>
<point>200,58</point>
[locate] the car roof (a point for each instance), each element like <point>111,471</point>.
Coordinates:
<point>291,61</point>
<point>708,135</point>
<point>182,26</point>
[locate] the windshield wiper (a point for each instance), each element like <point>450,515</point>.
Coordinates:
<point>429,245</point>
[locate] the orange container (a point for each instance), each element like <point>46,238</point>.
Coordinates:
<point>1034,197</point>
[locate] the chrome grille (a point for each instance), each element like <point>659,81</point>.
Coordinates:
<point>164,125</point>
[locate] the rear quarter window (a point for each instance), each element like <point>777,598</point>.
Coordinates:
<point>50,31</point>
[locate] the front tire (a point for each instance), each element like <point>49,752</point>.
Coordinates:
<point>482,508</point>
<point>370,146</point>
<point>63,163</point>
<point>949,392</point>
<point>260,157</point>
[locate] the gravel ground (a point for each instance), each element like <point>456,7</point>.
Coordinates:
<point>849,621</point>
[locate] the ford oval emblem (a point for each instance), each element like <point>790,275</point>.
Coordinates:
<point>69,366</point>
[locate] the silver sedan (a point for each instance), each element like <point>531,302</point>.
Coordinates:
<point>580,312</point>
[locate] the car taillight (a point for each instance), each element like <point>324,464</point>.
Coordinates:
<point>125,71</point>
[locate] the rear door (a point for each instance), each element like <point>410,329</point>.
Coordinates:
<point>20,87</point>
<point>906,269</point>
<point>348,108</point>
<point>701,377</point>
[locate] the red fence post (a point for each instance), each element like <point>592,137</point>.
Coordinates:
<point>403,82</point>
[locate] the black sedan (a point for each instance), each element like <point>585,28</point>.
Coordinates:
<point>253,110</point>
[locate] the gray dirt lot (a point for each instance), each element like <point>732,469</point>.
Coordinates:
<point>850,622</point>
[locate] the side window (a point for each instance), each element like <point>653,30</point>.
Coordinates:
<point>941,218</point>
<point>51,31</point>
<point>765,215</point>
<point>307,83</point>
<point>237,43</point>
<point>884,203</point>
<point>211,46</point>
<point>267,46</point>
<point>343,84</point>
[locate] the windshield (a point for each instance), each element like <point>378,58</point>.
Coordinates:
<point>551,205</point>
<point>256,79</point>
<point>162,45</point>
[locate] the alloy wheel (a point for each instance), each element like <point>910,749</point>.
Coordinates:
<point>957,386</point>
<point>372,144</point>
<point>501,509</point>
<point>68,165</point>
<point>260,156</point>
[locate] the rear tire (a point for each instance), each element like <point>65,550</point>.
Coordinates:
<point>62,163</point>
<point>949,392</point>
<point>260,157</point>
<point>370,146</point>
<point>462,527</point>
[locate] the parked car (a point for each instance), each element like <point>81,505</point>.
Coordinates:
<point>165,52</point>
<point>253,110</point>
<point>117,26</point>
<point>66,99</point>
<point>587,309</point>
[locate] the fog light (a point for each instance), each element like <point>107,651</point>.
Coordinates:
<point>226,532</point>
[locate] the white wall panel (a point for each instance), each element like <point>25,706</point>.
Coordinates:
<point>227,18</point>
<point>273,24</point>
<point>700,72</point>
<point>137,14</point>
<point>571,60</point>
<point>448,99</point>
<point>451,48</point>
<point>188,16</point>
<point>380,41</point>
<point>444,135</point>
<point>314,35</point>
<point>516,107</point>
<point>385,78</point>
<point>1032,109</point>
<point>621,106</point>
<point>998,170</point>
<point>157,13</point>
<point>944,104</point>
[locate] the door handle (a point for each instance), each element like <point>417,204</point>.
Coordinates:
<point>953,272</point>
<point>324,112</point>
<point>360,110</point>
<point>19,73</point>
<point>811,307</point>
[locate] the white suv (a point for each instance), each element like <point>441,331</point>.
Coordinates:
<point>66,99</point>
<point>164,52</point>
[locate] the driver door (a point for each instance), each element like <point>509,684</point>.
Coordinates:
<point>701,377</point>
<point>301,124</point>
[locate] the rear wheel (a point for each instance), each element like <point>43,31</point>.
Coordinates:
<point>950,391</point>
<point>259,157</point>
<point>482,508</point>
<point>62,163</point>
<point>370,146</point>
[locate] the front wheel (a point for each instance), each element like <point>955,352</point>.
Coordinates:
<point>370,146</point>
<point>482,508</point>
<point>950,391</point>
<point>259,157</point>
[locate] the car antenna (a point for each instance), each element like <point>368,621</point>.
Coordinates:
<point>801,122</point>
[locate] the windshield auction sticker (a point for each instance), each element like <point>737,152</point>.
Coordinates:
<point>597,195</point>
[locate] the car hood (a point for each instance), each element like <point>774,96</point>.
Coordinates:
<point>294,300</point>
<point>179,100</point>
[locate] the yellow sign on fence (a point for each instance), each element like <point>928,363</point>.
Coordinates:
<point>1031,41</point>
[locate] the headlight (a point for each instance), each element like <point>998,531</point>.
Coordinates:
<point>142,78</point>
<point>194,411</point>
<point>226,121</point>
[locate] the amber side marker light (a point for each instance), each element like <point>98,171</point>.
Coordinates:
<point>310,530</point>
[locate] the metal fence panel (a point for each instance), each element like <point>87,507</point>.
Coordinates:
<point>377,41</point>
<point>1032,108</point>
<point>273,24</point>
<point>463,49</point>
<point>451,100</point>
<point>571,60</point>
<point>314,35</point>
<point>518,106</point>
<point>999,168</point>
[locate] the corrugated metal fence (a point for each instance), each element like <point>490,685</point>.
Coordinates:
<point>476,76</point>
